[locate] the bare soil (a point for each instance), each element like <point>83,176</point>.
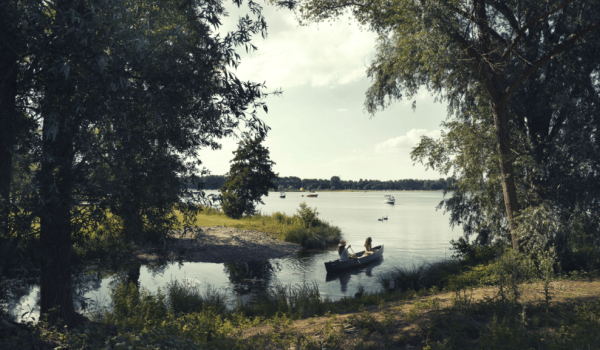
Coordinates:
<point>220,244</point>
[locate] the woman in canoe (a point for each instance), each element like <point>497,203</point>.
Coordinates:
<point>343,251</point>
<point>368,246</point>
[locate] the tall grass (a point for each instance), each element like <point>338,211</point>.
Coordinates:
<point>186,297</point>
<point>293,301</point>
<point>424,276</point>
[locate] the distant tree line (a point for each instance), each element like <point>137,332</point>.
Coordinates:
<point>215,182</point>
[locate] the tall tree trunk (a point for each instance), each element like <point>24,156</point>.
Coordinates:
<point>55,222</point>
<point>509,188</point>
<point>8,120</point>
<point>56,173</point>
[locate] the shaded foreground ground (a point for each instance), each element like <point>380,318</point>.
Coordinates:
<point>476,318</point>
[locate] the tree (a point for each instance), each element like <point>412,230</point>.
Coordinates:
<point>250,178</point>
<point>126,93</point>
<point>556,146</point>
<point>335,183</point>
<point>469,53</point>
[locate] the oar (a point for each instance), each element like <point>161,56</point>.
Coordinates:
<point>357,259</point>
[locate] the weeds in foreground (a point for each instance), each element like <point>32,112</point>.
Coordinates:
<point>181,316</point>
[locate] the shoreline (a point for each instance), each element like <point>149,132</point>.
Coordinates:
<point>221,244</point>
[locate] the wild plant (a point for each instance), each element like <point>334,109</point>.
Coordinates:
<point>546,262</point>
<point>511,270</point>
<point>307,216</point>
<point>186,297</point>
<point>333,335</point>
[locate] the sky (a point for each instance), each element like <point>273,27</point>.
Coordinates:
<point>319,128</point>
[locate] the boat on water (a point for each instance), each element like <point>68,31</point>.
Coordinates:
<point>389,199</point>
<point>281,194</point>
<point>312,194</point>
<point>345,275</point>
<point>361,260</point>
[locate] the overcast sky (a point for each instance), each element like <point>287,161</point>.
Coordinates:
<point>318,125</point>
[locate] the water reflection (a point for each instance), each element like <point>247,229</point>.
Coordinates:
<point>414,232</point>
<point>23,297</point>
<point>345,275</point>
<point>248,277</point>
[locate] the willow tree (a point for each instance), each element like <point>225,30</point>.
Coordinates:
<point>456,47</point>
<point>125,94</point>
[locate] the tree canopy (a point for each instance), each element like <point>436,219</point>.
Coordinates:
<point>250,177</point>
<point>491,60</point>
<point>111,101</point>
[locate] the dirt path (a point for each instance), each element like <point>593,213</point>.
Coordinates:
<point>406,318</point>
<point>219,244</point>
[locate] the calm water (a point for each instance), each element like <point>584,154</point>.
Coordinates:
<point>414,232</point>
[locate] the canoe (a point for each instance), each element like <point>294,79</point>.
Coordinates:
<point>337,265</point>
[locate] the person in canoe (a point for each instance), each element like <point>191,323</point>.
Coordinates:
<point>368,246</point>
<point>343,251</point>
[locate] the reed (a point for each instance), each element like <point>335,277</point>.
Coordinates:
<point>417,277</point>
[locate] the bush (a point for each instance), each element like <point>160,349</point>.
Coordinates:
<point>315,237</point>
<point>307,216</point>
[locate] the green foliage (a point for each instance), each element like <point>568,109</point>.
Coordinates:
<point>307,215</point>
<point>315,237</point>
<point>310,231</point>
<point>420,277</point>
<point>250,177</point>
<point>289,228</point>
<point>123,97</point>
<point>473,254</point>
<point>292,301</point>
<point>523,107</point>
<point>186,297</point>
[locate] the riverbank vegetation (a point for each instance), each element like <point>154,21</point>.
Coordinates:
<point>524,302</point>
<point>294,183</point>
<point>304,227</point>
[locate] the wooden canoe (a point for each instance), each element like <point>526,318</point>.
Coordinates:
<point>337,265</point>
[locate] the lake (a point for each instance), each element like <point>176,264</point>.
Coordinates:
<point>415,232</point>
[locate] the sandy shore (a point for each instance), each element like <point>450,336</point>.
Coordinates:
<point>219,244</point>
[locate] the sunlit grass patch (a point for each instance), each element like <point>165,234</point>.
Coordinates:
<point>303,228</point>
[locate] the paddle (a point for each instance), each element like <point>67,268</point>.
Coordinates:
<point>357,259</point>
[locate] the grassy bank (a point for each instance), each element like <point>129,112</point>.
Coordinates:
<point>304,227</point>
<point>515,301</point>
<point>563,313</point>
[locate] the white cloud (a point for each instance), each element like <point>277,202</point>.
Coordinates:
<point>314,55</point>
<point>411,139</point>
<point>342,109</point>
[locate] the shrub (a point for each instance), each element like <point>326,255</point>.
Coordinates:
<point>315,237</point>
<point>307,216</point>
